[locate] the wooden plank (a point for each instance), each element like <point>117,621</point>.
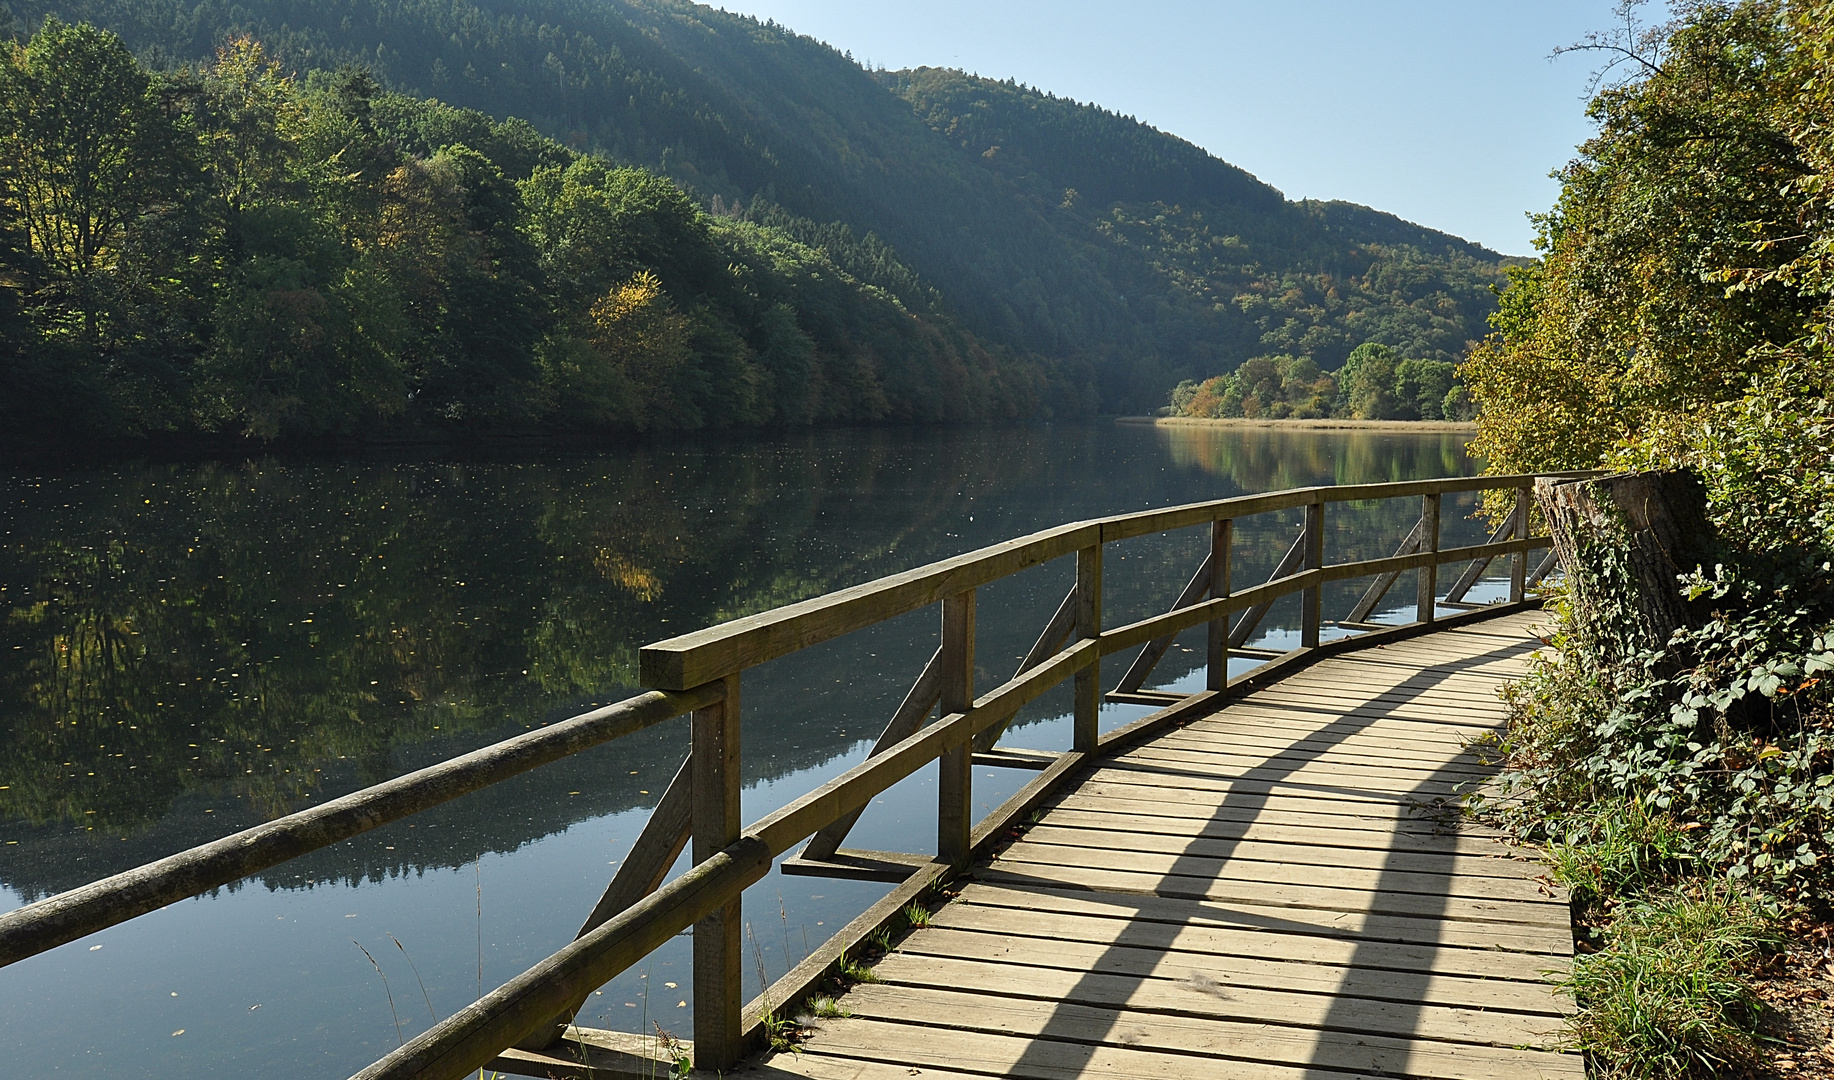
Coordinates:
<point>1531,996</point>
<point>822,1064</point>
<point>1086,1034</point>
<point>1162,807</point>
<point>1210,941</point>
<point>1397,732</point>
<point>1358,926</point>
<point>1250,825</point>
<point>1209,862</point>
<point>920,1050</point>
<point>1009,982</point>
<point>1313,763</point>
<point>1344,753</point>
<point>1354,678</point>
<point>1425,717</point>
<point>1273,796</point>
<point>1377,740</point>
<point>1334,780</point>
<point>1376,852</point>
<point>1318,897</point>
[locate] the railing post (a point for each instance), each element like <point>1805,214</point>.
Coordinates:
<point>955,783</point>
<point>1311,605</point>
<point>1518,563</point>
<point>1087,724</point>
<point>1222,536</point>
<point>718,972</point>
<point>1426,596</point>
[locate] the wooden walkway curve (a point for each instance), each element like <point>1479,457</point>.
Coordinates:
<point>1277,890</point>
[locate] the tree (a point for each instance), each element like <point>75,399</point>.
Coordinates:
<point>1627,324</point>
<point>90,145</point>
<point>1366,382</point>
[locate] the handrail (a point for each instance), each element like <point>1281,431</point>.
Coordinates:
<point>699,673</point>
<point>59,919</point>
<point>705,655</point>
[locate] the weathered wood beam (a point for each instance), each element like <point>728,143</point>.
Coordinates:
<point>468,1039</point>
<point>67,916</point>
<point>664,836</point>
<point>1154,651</point>
<point>1365,605</point>
<point>911,714</point>
<point>1289,564</point>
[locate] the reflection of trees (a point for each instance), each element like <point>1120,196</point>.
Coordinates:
<point>235,629</point>
<point>273,632</point>
<point>1268,459</point>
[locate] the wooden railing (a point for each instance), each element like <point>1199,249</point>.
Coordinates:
<point>700,673</point>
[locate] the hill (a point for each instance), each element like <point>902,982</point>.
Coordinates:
<point>1125,257</point>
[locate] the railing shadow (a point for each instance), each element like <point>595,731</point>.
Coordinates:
<point>1401,992</point>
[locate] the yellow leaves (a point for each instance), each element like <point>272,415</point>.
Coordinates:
<point>636,330</point>
<point>637,580</point>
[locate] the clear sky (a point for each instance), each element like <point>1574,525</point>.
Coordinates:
<point>1447,112</point>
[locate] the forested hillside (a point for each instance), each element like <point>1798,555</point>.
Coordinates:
<point>1091,260</point>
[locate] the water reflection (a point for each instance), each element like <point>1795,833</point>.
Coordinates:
<point>189,648</point>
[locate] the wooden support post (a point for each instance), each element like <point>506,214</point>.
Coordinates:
<point>1311,604</point>
<point>1087,723</point>
<point>1426,593</point>
<point>719,998</point>
<point>1518,563</point>
<point>1222,536</point>
<point>955,784</point>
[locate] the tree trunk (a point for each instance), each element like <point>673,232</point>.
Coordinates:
<point>1623,542</point>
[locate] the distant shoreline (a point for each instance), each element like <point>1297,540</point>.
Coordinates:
<point>1424,426</point>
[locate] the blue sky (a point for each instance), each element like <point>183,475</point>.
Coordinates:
<point>1446,112</point>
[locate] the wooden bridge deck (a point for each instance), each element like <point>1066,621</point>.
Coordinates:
<point>1272,891</point>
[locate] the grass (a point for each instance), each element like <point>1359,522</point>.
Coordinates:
<point>827,1008</point>
<point>1616,848</point>
<point>917,915</point>
<point>1666,996</point>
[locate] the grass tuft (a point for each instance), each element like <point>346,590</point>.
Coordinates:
<point>1666,996</point>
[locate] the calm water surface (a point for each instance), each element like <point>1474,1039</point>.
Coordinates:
<point>188,649</point>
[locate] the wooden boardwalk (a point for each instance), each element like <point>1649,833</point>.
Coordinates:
<point>1276,891</point>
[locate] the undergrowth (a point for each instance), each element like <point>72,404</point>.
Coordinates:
<point>1684,797</point>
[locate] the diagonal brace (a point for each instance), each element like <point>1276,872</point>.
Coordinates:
<point>1383,582</point>
<point>1505,531</point>
<point>1155,650</point>
<point>1289,564</point>
<point>1056,632</point>
<point>664,837</point>
<point>924,695</point>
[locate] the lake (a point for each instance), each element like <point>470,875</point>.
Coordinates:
<point>190,648</point>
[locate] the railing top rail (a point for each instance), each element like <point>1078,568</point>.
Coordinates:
<point>690,660</point>
<point>67,916</point>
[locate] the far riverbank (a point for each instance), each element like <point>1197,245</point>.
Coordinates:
<point>1420,426</point>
